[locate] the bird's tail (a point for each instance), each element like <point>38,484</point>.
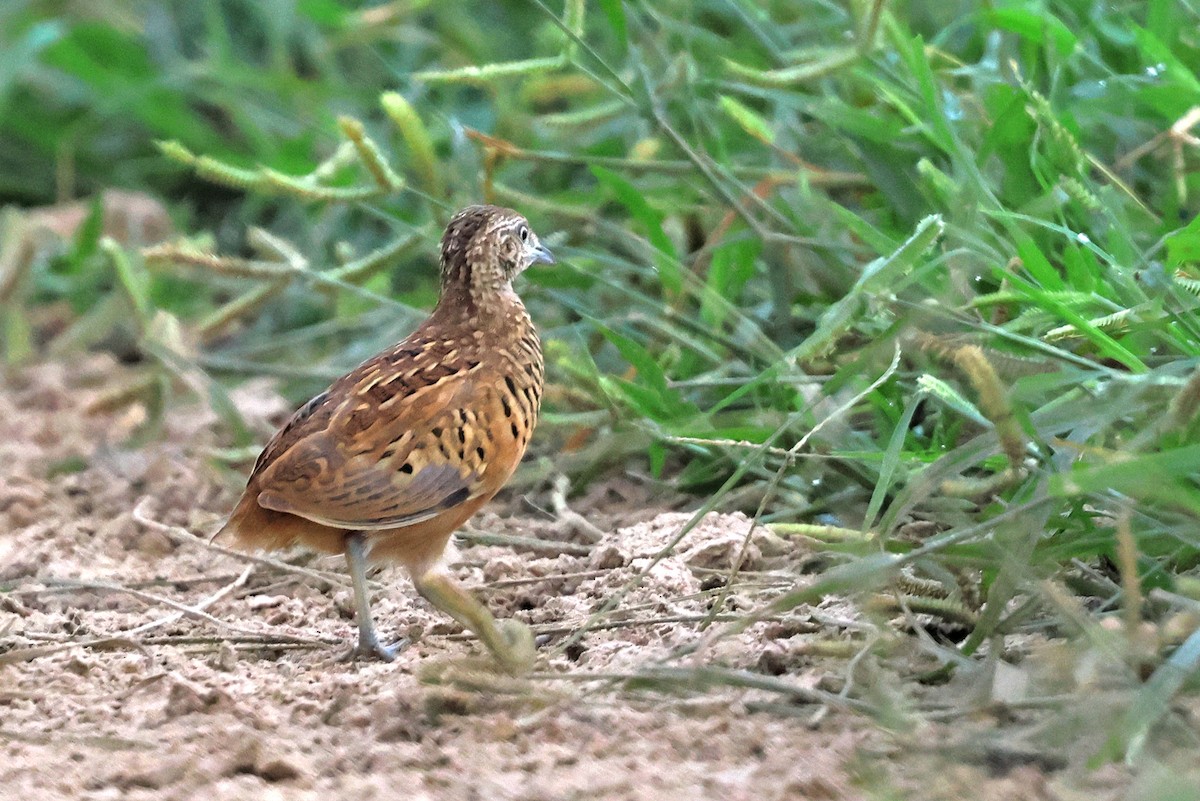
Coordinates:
<point>250,527</point>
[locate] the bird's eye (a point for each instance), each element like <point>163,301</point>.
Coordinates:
<point>523,232</point>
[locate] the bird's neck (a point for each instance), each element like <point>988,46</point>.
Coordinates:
<point>497,311</point>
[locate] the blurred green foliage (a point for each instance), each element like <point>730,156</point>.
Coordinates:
<point>876,266</point>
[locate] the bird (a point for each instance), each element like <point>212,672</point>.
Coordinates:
<point>385,464</point>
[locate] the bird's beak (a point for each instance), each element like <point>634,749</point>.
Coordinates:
<point>542,255</point>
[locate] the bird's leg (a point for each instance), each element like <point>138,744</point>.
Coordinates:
<point>510,641</point>
<point>368,646</point>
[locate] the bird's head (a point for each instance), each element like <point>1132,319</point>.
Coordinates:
<point>486,247</point>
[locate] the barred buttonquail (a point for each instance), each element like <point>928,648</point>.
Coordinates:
<point>401,451</point>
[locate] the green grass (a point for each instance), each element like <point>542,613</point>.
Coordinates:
<point>849,264</point>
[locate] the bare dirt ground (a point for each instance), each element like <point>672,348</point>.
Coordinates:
<point>137,662</point>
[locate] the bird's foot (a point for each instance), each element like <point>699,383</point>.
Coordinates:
<point>511,650</point>
<point>510,642</point>
<point>518,651</point>
<point>369,648</point>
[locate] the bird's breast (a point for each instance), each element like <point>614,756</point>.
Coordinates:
<point>510,401</point>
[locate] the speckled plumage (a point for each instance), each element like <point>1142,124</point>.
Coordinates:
<point>401,451</point>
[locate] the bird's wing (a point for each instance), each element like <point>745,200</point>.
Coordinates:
<point>372,498</point>
<point>391,444</point>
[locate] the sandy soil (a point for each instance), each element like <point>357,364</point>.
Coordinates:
<point>137,662</point>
